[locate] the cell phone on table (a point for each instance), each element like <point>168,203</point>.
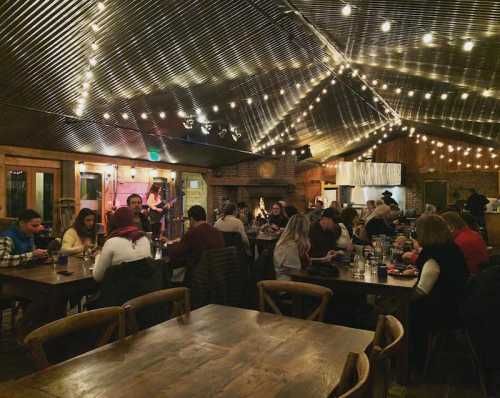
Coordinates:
<point>65,273</point>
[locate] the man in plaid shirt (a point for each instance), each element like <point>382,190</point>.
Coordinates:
<point>16,243</point>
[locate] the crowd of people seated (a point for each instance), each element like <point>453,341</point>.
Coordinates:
<point>445,249</point>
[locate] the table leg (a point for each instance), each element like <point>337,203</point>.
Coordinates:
<point>403,358</point>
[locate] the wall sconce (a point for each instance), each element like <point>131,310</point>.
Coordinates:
<point>153,173</point>
<point>174,175</point>
<point>133,172</point>
<point>109,169</point>
<point>82,167</point>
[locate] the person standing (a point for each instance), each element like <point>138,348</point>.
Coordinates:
<point>387,198</point>
<point>476,204</point>
<point>156,207</point>
<point>229,223</point>
<point>134,203</point>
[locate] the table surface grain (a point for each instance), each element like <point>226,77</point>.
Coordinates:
<point>218,352</point>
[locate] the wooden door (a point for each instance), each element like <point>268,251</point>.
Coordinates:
<point>36,188</point>
<point>435,193</point>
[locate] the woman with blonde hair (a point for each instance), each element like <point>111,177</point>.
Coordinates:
<point>291,251</point>
<point>379,223</point>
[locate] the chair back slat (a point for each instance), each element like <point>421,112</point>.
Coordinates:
<point>112,317</point>
<point>176,296</point>
<point>354,378</point>
<point>298,291</point>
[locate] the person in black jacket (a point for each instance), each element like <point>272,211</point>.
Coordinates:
<point>324,233</point>
<point>476,204</point>
<point>440,290</point>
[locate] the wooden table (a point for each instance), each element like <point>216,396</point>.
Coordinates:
<point>42,282</point>
<point>398,287</point>
<point>219,352</point>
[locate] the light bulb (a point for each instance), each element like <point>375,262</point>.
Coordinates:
<point>384,87</point>
<point>487,93</point>
<point>106,116</point>
<point>363,87</point>
<point>93,61</point>
<point>411,93</point>
<point>428,96</point>
<point>398,91</point>
<point>144,115</point>
<point>95,27</point>
<point>464,96</point>
<point>297,85</point>
<point>282,92</point>
<point>324,91</point>
<point>266,97</point>
<point>386,26</point>
<point>232,104</point>
<point>101,6</point>
<point>94,46</point>
<point>181,114</point>
<point>333,82</point>
<point>468,45</point>
<point>427,38</point>
<point>375,82</point>
<point>249,101</point>
<point>346,10</point>
<point>162,115</point>
<point>124,116</point>
<point>444,96</point>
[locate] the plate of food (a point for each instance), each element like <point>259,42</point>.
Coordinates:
<point>409,272</point>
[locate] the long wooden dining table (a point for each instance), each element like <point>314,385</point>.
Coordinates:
<point>399,288</point>
<point>44,282</point>
<point>217,351</point>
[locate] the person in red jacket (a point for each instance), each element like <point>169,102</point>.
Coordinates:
<point>470,242</point>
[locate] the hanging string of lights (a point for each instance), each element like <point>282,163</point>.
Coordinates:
<point>88,75</point>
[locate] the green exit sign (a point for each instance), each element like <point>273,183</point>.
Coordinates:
<point>154,155</point>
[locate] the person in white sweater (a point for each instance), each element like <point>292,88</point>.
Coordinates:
<point>229,223</point>
<point>126,243</point>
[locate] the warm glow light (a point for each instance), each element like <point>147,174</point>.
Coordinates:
<point>487,93</point>
<point>232,104</point>
<point>133,172</point>
<point>444,96</point>
<point>124,116</point>
<point>144,115</point>
<point>468,45</point>
<point>427,38</point>
<point>386,26</point>
<point>464,96</point>
<point>82,167</point>
<point>249,101</point>
<point>428,96</point>
<point>398,91</point>
<point>101,6</point>
<point>282,91</point>
<point>106,116</point>
<point>363,87</point>
<point>95,27</point>
<point>266,97</point>
<point>346,10</point>
<point>411,93</point>
<point>181,114</point>
<point>162,115</point>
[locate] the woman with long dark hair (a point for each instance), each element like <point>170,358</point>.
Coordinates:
<point>156,206</point>
<point>81,235</point>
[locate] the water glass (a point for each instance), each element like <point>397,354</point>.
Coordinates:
<point>359,267</point>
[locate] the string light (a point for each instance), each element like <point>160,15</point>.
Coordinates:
<point>428,96</point>
<point>181,114</point>
<point>487,93</point>
<point>125,116</point>
<point>444,96</point>
<point>386,26</point>
<point>346,10</point>
<point>162,115</point>
<point>144,116</point>
<point>411,93</point>
<point>232,104</point>
<point>464,96</point>
<point>106,116</point>
<point>427,38</point>
<point>468,45</point>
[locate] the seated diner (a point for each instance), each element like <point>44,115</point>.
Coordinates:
<point>249,198</point>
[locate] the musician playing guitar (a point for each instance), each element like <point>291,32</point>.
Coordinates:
<point>157,208</point>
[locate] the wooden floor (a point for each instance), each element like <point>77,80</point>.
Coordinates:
<point>452,375</point>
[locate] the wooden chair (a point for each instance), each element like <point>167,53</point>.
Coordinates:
<point>354,378</point>
<point>179,296</point>
<point>113,318</point>
<point>296,290</point>
<point>386,343</point>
